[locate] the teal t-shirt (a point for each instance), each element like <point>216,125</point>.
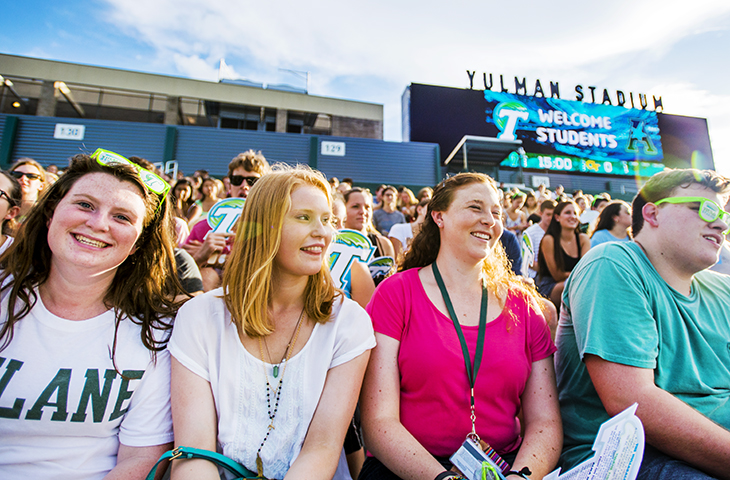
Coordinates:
<point>603,236</point>
<point>616,306</point>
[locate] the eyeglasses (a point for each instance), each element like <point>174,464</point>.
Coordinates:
<point>709,211</point>
<point>152,181</point>
<point>31,176</point>
<point>237,180</point>
<point>4,194</point>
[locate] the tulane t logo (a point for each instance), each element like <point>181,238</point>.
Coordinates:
<point>505,117</point>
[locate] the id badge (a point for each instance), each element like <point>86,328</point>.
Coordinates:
<point>474,464</point>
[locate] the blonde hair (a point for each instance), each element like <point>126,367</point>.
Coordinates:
<point>247,278</point>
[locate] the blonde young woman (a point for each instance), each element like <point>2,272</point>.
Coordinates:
<point>268,367</point>
<point>455,291</point>
<point>407,203</point>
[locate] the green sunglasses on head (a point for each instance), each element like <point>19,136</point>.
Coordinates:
<point>709,211</point>
<point>151,180</point>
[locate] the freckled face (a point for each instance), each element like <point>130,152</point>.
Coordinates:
<point>96,225</point>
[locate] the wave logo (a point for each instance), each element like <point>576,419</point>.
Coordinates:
<point>353,238</point>
<point>381,267</point>
<point>506,117</point>
<point>223,215</point>
<point>348,246</point>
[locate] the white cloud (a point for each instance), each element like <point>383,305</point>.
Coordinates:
<point>414,40</point>
<point>195,67</point>
<point>372,51</point>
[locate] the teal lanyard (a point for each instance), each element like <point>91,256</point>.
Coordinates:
<point>471,373</point>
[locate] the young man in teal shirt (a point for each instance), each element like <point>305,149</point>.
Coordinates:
<point>645,322</point>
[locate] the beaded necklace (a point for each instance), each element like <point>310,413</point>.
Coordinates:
<point>276,391</point>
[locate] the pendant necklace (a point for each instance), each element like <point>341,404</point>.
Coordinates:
<point>276,391</point>
<point>286,351</point>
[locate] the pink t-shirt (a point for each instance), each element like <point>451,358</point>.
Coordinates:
<point>199,232</point>
<point>434,388</point>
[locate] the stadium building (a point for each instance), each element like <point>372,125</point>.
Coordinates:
<point>587,139</point>
<point>53,110</point>
<point>598,141</point>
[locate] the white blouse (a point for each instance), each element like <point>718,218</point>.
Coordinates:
<point>205,341</point>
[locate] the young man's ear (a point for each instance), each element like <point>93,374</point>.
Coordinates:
<point>649,212</point>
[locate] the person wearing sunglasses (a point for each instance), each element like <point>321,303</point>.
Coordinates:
<point>10,198</point>
<point>645,322</point>
<point>91,280</point>
<point>243,171</point>
<point>32,178</point>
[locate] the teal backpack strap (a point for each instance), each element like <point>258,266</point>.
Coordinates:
<point>165,456</point>
<point>189,453</point>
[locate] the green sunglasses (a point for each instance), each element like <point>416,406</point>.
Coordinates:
<point>152,181</point>
<point>709,211</point>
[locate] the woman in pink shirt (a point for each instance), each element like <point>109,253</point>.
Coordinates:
<point>454,321</point>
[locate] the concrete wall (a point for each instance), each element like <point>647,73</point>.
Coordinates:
<point>357,127</point>
<point>12,65</point>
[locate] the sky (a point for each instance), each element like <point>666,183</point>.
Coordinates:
<point>372,51</point>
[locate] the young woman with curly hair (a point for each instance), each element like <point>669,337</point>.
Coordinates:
<point>456,292</point>
<point>88,292</point>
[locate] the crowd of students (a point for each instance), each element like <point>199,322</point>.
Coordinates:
<point>128,327</point>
